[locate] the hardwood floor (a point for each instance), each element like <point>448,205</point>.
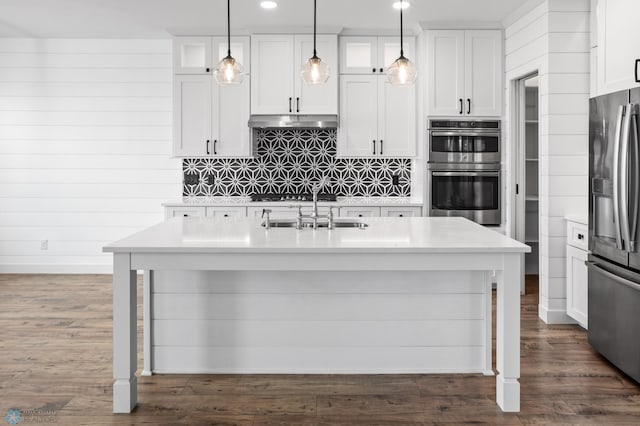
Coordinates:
<point>55,366</point>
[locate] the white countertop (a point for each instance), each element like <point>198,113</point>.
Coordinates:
<point>246,202</point>
<point>384,234</point>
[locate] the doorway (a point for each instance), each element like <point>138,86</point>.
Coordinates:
<point>528,171</point>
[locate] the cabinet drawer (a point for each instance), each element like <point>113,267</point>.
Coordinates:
<point>577,235</point>
<point>359,211</point>
<point>285,212</point>
<point>183,211</point>
<point>400,211</point>
<point>226,211</point>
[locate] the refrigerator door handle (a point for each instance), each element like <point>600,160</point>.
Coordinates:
<point>624,179</point>
<point>613,276</point>
<point>633,123</point>
<point>616,178</point>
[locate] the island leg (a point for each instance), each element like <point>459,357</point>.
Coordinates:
<point>508,333</point>
<point>125,357</point>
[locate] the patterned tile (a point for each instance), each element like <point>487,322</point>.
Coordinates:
<point>291,160</point>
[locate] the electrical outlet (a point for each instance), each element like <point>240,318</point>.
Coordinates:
<point>191,179</point>
<point>44,245</point>
<point>211,179</point>
<point>395,180</point>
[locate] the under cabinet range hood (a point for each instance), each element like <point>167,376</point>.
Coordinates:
<point>298,121</point>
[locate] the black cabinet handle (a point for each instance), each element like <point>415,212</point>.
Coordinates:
<point>468,106</point>
<point>381,69</point>
<point>461,106</point>
<point>637,69</point>
<point>226,215</point>
<point>381,142</point>
<point>400,215</point>
<point>215,147</point>
<point>290,109</point>
<point>208,142</point>
<point>208,70</point>
<point>581,236</point>
<point>185,215</point>
<point>374,70</point>
<point>297,104</point>
<point>359,215</point>
<point>374,147</point>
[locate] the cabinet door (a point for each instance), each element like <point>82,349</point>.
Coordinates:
<point>232,138</point>
<point>359,55</point>
<point>321,98</point>
<point>192,55</point>
<point>577,285</point>
<point>359,211</point>
<point>192,115</point>
<point>618,46</point>
<point>483,73</point>
<point>389,50</point>
<point>396,119</point>
<point>401,211</point>
<point>445,72</point>
<point>358,133</point>
<point>272,86</point>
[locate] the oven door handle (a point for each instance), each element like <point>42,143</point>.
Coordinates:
<point>465,133</point>
<point>473,174</point>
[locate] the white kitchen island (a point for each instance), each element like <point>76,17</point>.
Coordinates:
<point>404,295</point>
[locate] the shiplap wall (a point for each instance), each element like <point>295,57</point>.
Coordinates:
<point>554,39</point>
<point>85,145</point>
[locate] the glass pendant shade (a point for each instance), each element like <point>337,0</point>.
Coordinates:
<point>314,71</point>
<point>402,72</point>
<point>229,71</point>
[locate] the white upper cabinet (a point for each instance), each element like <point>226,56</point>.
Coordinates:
<point>464,73</point>
<point>200,55</point>
<point>276,83</point>
<point>192,55</point>
<point>396,119</point>
<point>192,117</point>
<point>618,47</point>
<point>358,132</point>
<point>211,120</point>
<point>376,118</point>
<point>372,55</point>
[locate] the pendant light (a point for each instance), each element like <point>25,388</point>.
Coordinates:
<point>314,71</point>
<point>402,72</point>
<point>229,71</point>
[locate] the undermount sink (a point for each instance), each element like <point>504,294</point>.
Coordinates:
<point>291,223</point>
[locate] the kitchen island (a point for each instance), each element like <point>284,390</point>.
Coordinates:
<point>401,295</point>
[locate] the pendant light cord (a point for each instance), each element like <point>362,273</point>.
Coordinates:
<point>401,35</point>
<point>228,28</point>
<point>315,55</point>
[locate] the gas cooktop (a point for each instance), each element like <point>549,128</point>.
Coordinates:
<point>291,197</point>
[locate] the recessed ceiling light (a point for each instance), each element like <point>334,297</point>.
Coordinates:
<point>268,4</point>
<point>403,4</point>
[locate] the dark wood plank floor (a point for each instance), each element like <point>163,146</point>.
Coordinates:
<point>55,366</point>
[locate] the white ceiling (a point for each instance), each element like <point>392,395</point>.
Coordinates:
<point>158,18</point>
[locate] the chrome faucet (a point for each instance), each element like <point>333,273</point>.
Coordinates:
<point>324,181</point>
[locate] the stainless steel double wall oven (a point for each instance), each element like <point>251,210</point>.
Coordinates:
<point>464,169</point>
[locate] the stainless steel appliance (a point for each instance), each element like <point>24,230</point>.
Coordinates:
<point>463,176</point>
<point>614,207</point>
<point>464,141</point>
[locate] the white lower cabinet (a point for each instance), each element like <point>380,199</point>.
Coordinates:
<point>226,211</point>
<point>400,211</point>
<point>577,272</point>
<point>170,212</point>
<point>359,211</point>
<point>374,211</point>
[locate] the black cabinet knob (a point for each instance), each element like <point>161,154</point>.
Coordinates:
<point>208,70</point>
<point>359,215</point>
<point>226,215</point>
<point>581,236</point>
<point>374,70</point>
<point>381,69</point>
<point>185,215</point>
<point>400,215</point>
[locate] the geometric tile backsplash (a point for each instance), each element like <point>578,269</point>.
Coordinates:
<point>292,160</point>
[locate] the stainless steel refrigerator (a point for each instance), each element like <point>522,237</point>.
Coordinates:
<point>614,246</point>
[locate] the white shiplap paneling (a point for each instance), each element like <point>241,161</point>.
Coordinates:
<point>85,141</point>
<point>553,39</point>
